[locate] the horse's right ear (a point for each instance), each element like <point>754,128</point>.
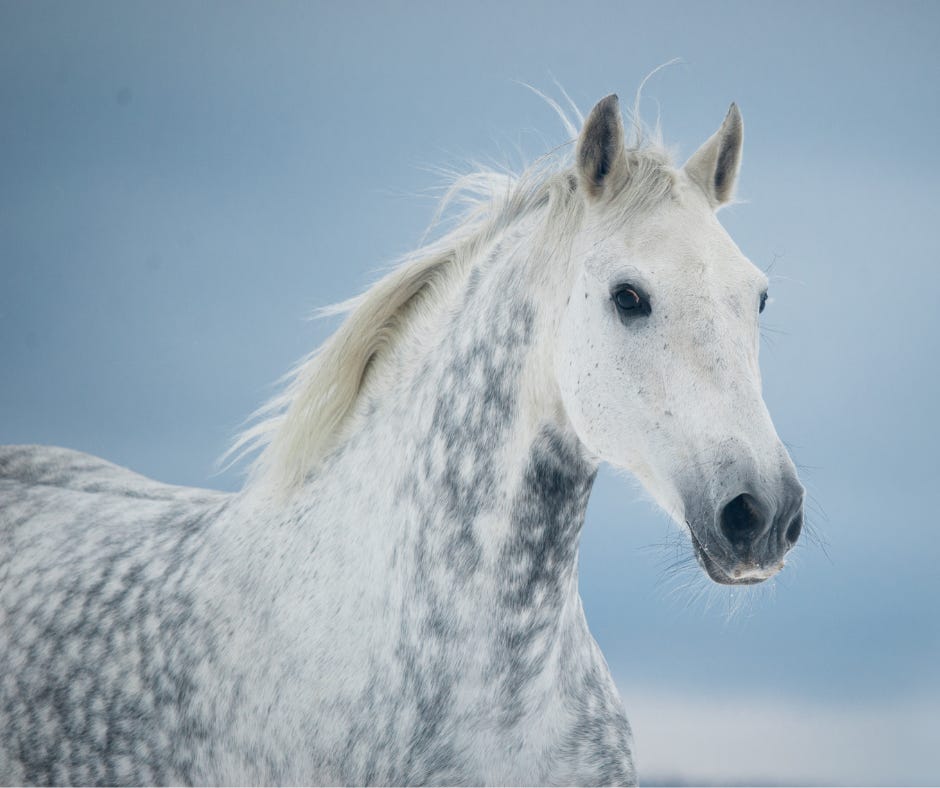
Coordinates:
<point>602,162</point>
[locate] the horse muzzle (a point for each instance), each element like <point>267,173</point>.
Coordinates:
<point>747,538</point>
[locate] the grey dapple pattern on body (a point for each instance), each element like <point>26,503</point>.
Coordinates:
<point>393,596</point>
<point>106,641</point>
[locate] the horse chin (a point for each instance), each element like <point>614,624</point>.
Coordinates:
<point>739,576</point>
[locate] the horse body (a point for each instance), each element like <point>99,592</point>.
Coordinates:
<point>399,606</point>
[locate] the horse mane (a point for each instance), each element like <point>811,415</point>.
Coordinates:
<point>292,433</point>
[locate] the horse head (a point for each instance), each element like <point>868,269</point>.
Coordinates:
<point>657,349</point>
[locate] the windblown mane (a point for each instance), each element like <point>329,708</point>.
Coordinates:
<point>294,431</point>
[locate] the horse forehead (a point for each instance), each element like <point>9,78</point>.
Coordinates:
<point>684,230</point>
<point>691,247</point>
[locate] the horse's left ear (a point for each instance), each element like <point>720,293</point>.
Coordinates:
<point>715,165</point>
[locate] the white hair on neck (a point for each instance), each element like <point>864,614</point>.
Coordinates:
<point>294,432</point>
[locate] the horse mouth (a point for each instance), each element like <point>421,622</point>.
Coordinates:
<point>739,576</point>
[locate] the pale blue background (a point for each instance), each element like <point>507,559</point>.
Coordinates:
<point>181,184</point>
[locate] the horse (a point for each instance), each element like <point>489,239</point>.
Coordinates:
<point>392,598</point>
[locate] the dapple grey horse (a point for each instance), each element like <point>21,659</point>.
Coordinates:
<point>393,596</point>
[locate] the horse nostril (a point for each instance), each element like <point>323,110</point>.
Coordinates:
<point>741,519</point>
<point>795,529</point>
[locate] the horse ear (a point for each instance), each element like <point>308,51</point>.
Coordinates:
<point>714,166</point>
<point>602,162</point>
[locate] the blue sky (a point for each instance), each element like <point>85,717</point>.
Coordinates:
<point>182,184</point>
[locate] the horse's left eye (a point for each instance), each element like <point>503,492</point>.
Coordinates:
<point>763,301</point>
<point>631,302</point>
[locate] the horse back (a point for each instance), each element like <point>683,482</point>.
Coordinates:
<point>67,469</point>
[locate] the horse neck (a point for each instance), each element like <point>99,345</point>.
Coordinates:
<point>462,472</point>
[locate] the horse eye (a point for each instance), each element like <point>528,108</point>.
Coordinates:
<point>763,301</point>
<point>630,301</point>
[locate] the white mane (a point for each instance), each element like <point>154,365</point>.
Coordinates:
<point>295,430</point>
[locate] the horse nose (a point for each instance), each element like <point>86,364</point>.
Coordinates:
<point>746,518</point>
<point>743,520</point>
